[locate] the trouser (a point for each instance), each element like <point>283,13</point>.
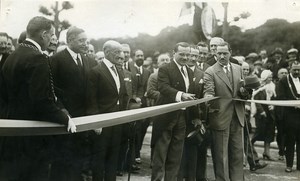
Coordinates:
<point>227,152</point>
<point>168,150</point>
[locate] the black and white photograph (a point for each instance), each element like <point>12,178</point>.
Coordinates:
<point>149,90</point>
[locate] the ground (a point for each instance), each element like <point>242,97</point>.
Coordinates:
<point>273,172</point>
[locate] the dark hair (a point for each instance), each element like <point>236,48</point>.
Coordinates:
<point>73,32</point>
<point>195,47</point>
<point>22,37</point>
<point>181,44</point>
<point>4,34</point>
<point>38,24</point>
<point>202,44</point>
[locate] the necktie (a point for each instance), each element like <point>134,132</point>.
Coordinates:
<point>114,70</point>
<point>78,61</point>
<point>227,71</point>
<point>182,70</point>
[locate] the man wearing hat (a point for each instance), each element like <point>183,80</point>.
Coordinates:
<point>292,55</point>
<point>277,62</point>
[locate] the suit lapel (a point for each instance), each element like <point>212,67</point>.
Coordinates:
<point>106,73</point>
<point>221,74</point>
<point>176,73</point>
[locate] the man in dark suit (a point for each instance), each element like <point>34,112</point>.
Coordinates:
<point>193,165</point>
<point>70,71</point>
<point>27,81</point>
<point>203,54</point>
<point>226,123</point>
<point>289,89</point>
<point>107,93</point>
<point>174,81</point>
<point>140,76</point>
<point>3,48</point>
<point>128,63</point>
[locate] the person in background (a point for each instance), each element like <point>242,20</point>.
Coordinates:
<point>128,64</point>
<point>213,43</point>
<point>10,45</point>
<point>51,50</point>
<point>277,62</point>
<point>292,55</point>
<point>289,89</point>
<point>203,55</point>
<point>279,117</point>
<point>99,56</point>
<point>258,68</point>
<point>3,48</point>
<point>264,57</point>
<point>91,52</point>
<point>148,64</point>
<point>264,117</point>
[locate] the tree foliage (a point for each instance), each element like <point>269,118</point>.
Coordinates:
<point>54,11</point>
<point>274,33</point>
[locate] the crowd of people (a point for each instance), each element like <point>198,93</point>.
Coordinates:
<point>41,80</point>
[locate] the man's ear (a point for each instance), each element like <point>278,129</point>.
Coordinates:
<point>43,34</point>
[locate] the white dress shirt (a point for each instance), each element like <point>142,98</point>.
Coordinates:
<point>115,76</point>
<point>74,55</point>
<point>296,83</point>
<point>186,81</point>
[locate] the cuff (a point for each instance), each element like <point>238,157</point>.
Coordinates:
<point>178,96</point>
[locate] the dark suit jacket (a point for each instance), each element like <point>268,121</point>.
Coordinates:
<point>3,59</point>
<point>152,89</point>
<point>128,82</point>
<point>26,75</point>
<point>139,82</point>
<point>285,93</point>
<point>170,81</point>
<point>103,94</point>
<point>70,82</point>
<point>216,83</point>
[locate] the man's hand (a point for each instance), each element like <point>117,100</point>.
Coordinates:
<point>98,131</point>
<point>71,126</point>
<point>263,114</point>
<point>197,122</point>
<point>138,100</point>
<point>187,96</point>
<point>271,107</point>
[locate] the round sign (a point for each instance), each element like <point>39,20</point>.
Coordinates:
<point>208,22</point>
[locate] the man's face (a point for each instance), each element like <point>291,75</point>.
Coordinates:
<point>245,69</point>
<point>278,56</point>
<point>182,55</point>
<point>139,58</point>
<point>53,43</point>
<point>99,57</point>
<point>223,54</point>
<point>9,45</point>
<point>263,54</point>
<point>91,51</point>
<point>163,59</point>
<point>295,70</point>
<point>282,73</point>
<point>203,54</point>
<point>79,43</point>
<point>47,38</point>
<point>213,48</point>
<point>193,58</point>
<point>116,56</point>
<point>3,44</point>
<point>126,51</point>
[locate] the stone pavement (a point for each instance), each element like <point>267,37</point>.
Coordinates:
<point>273,172</point>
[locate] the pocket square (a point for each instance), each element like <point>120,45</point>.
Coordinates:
<point>201,81</point>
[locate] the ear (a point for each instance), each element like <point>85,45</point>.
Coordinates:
<point>43,34</point>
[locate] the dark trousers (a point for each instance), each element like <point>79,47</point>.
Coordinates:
<point>168,150</point>
<point>124,147</point>
<point>105,152</point>
<point>227,152</point>
<point>193,163</point>
<point>292,131</point>
<point>69,156</point>
<point>280,137</point>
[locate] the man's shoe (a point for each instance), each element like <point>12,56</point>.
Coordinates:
<point>288,169</point>
<point>135,168</point>
<point>138,160</point>
<point>281,158</point>
<point>119,173</point>
<point>258,166</point>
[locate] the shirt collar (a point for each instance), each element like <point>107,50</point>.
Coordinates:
<point>38,46</point>
<point>193,68</point>
<point>107,63</point>
<point>73,54</point>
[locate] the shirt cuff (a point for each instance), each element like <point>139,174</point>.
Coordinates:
<point>178,96</point>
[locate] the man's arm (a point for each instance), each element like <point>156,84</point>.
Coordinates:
<point>209,84</point>
<point>152,91</point>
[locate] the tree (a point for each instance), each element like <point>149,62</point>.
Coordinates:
<point>55,12</point>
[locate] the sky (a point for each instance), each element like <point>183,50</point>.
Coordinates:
<point>123,18</point>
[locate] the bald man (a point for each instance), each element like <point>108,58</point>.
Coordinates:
<point>107,94</point>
